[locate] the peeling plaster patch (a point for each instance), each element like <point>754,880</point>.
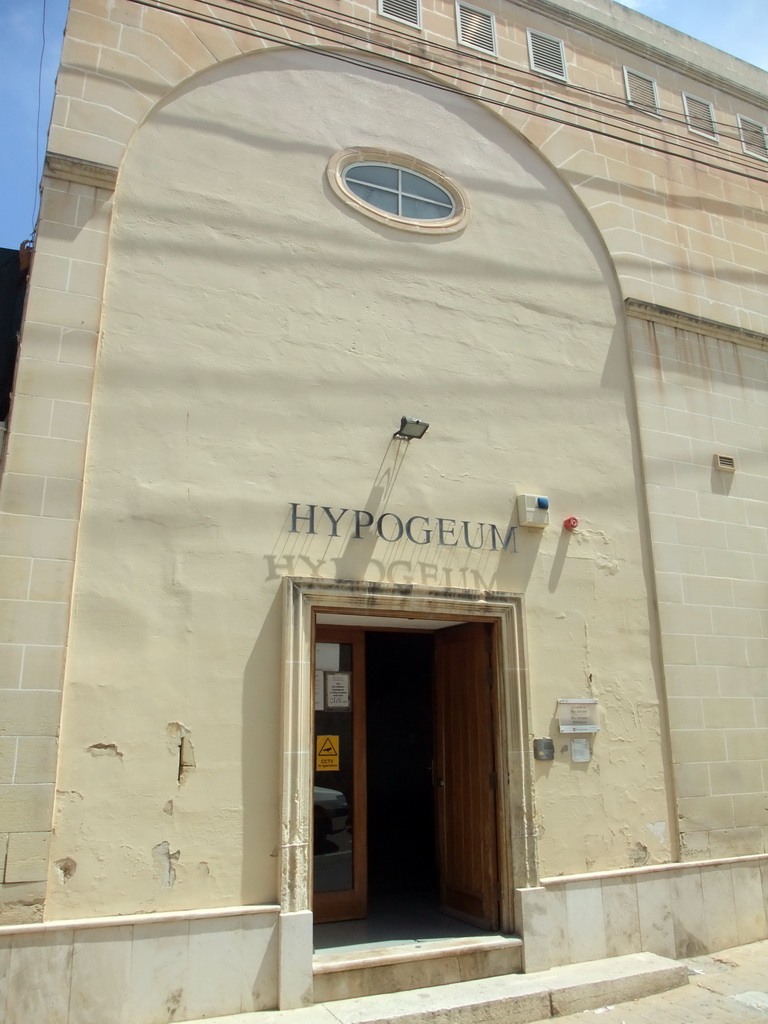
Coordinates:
<point>26,911</point>
<point>168,807</point>
<point>639,855</point>
<point>203,868</point>
<point>65,868</point>
<point>104,750</point>
<point>71,793</point>
<point>659,829</point>
<point>164,861</point>
<point>180,742</point>
<point>607,565</point>
<point>174,1002</point>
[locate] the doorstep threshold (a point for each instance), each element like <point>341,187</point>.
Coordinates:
<point>513,999</point>
<point>359,958</point>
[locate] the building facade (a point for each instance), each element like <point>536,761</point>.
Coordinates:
<point>263,657</point>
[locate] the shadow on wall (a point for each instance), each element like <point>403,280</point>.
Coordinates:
<point>482,556</point>
<point>260,759</point>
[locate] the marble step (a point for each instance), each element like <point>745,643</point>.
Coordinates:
<point>513,999</point>
<point>353,973</point>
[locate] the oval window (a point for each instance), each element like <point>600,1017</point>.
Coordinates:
<point>395,190</point>
<point>398,190</point>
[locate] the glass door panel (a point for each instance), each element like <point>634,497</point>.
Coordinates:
<point>334,797</point>
<point>339,847</point>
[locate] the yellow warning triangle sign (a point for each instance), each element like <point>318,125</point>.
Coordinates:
<point>328,749</point>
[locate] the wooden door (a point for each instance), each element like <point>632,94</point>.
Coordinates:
<point>340,883</point>
<point>465,776</point>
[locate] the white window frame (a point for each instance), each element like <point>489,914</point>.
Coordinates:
<point>463,42</point>
<point>656,112</point>
<point>755,124</point>
<point>400,191</point>
<point>539,71</point>
<point>365,154</point>
<point>691,126</point>
<point>402,21</point>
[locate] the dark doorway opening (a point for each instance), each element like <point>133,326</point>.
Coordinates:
<point>402,856</point>
<point>401,813</point>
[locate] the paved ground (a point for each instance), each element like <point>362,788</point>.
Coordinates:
<point>730,987</point>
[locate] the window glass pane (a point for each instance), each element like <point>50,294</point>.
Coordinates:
<point>386,201</point>
<point>416,186</point>
<point>333,835</point>
<point>372,173</point>
<point>418,209</point>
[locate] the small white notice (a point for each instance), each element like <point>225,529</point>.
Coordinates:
<point>337,691</point>
<point>578,715</point>
<point>580,751</point>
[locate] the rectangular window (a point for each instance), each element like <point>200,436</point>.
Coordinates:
<point>641,92</point>
<point>476,28</point>
<point>547,55</point>
<point>408,11</point>
<point>754,137</point>
<point>700,116</point>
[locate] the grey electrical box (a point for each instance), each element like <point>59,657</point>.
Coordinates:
<point>544,749</point>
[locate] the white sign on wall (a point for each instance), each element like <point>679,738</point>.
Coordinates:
<point>578,715</point>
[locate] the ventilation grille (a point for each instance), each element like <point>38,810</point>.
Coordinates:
<point>725,463</point>
<point>408,11</point>
<point>754,137</point>
<point>641,91</point>
<point>546,55</point>
<point>700,115</point>
<point>476,28</point>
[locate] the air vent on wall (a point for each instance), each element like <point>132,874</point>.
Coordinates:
<point>754,137</point>
<point>725,463</point>
<point>641,91</point>
<point>546,54</point>
<point>476,28</point>
<point>700,116</point>
<point>408,11</point>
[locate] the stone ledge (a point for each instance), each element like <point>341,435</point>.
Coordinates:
<point>82,172</point>
<point>641,310</point>
<point>653,869</point>
<point>118,920</point>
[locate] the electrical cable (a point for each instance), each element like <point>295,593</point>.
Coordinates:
<point>171,8</point>
<point>36,198</point>
<point>587,111</point>
<point>663,112</point>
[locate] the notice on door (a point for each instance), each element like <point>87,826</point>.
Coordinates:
<point>327,754</point>
<point>338,684</point>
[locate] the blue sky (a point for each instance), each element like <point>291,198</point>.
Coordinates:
<point>27,73</point>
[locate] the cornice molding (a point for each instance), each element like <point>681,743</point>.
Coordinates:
<point>592,26</point>
<point>697,325</point>
<point>83,172</point>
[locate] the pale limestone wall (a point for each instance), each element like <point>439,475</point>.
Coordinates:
<point>182,966</point>
<point>681,235</point>
<point>684,237</point>
<point>672,910</point>
<point>702,391</point>
<point>250,315</point>
<point>40,500</point>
